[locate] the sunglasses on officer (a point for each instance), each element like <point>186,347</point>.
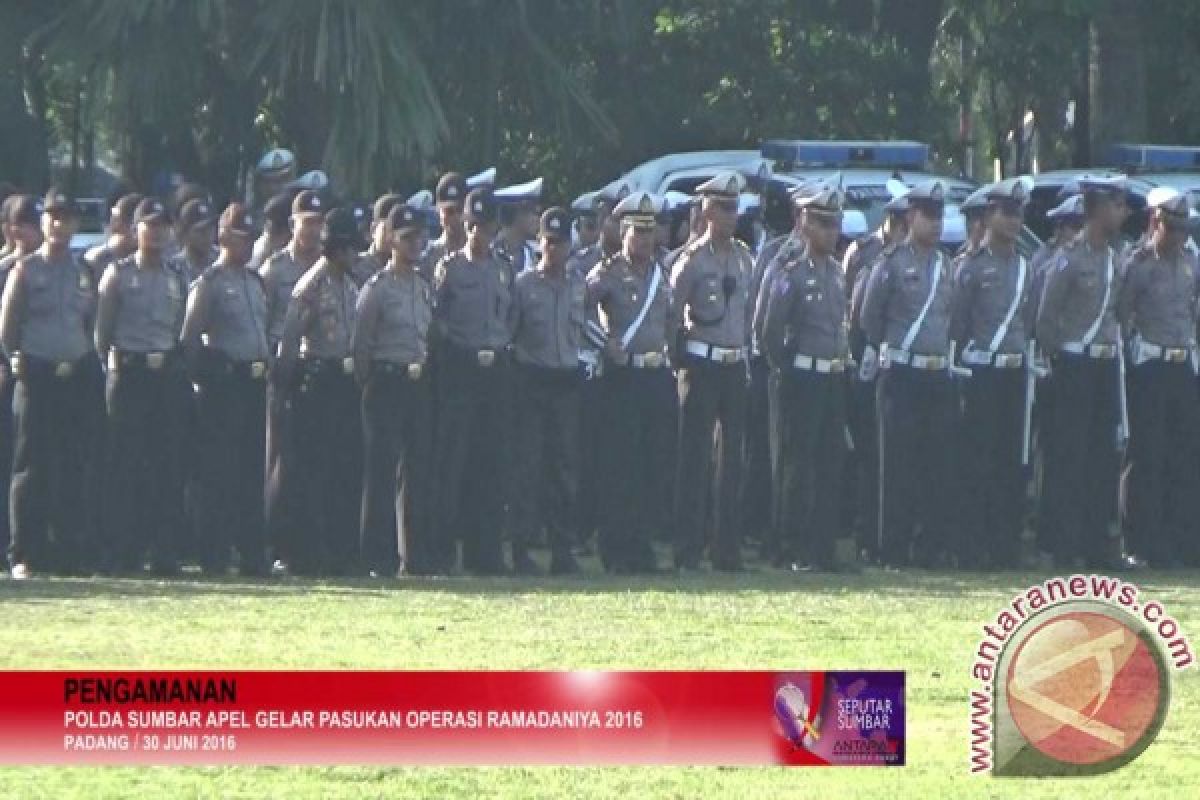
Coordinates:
<point>1009,207</point>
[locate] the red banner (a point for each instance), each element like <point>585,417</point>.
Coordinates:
<point>445,718</point>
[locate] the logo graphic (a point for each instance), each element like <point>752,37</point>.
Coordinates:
<point>840,718</point>
<point>791,709</point>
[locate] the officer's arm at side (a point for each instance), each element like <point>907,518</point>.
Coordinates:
<point>13,310</point>
<point>295,322</point>
<point>777,298</point>
<point>106,309</point>
<point>195,319</point>
<point>1058,281</point>
<point>682,278</point>
<point>874,305</point>
<point>961,301</point>
<point>362,338</point>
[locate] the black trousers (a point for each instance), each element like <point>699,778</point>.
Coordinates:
<point>280,483</point>
<point>1162,506</point>
<point>594,499</point>
<point>327,470</point>
<point>397,450</point>
<point>640,436</point>
<point>147,430</point>
<point>712,403</point>
<point>230,447</point>
<point>993,478</point>
<point>756,486</point>
<point>917,420</point>
<point>547,455</point>
<point>860,493</point>
<point>55,426</point>
<point>7,387</point>
<point>1082,462</point>
<point>812,452</point>
<point>473,479</point>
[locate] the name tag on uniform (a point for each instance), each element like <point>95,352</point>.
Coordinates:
<point>348,366</point>
<point>155,360</point>
<point>486,358</point>
<point>258,369</point>
<point>414,372</point>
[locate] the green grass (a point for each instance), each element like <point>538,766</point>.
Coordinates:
<point>925,623</point>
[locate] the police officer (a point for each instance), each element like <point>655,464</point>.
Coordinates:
<point>630,290</point>
<point>377,254</point>
<point>138,319</point>
<point>395,310</point>
<point>805,338</point>
<point>280,274</point>
<point>122,239</point>
<point>711,281</point>
<point>315,357</point>
<point>277,231</point>
<point>1077,326</point>
<point>46,325</point>
<point>547,318</point>
<point>861,498</point>
<point>1156,306</point>
<point>587,220</point>
<point>225,339</point>
<point>195,231</point>
<point>974,210</point>
<point>906,317</point>
<point>762,424</point>
<point>518,216</point>
<point>473,292</point>
<point>992,313</point>
<point>1067,218</point>
<point>450,194</point>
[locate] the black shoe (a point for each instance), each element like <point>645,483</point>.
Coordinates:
<point>564,564</point>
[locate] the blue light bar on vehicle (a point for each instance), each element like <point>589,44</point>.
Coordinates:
<point>1155,156</point>
<point>801,152</point>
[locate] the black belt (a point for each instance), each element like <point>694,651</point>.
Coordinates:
<point>412,371</point>
<point>254,370</point>
<point>153,361</point>
<point>322,366</point>
<point>28,366</point>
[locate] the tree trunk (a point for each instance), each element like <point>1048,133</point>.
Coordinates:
<point>1118,78</point>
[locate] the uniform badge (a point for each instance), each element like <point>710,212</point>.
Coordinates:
<point>635,297</point>
<point>83,282</point>
<point>712,298</point>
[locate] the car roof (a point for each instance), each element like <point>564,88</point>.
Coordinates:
<point>1057,177</point>
<point>650,175</point>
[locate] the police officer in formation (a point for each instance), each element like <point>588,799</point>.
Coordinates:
<point>224,337</point>
<point>806,340</point>
<point>629,312</point>
<point>710,334</point>
<point>138,320</point>
<point>906,318</point>
<point>1157,311</point>
<point>992,314</point>
<point>471,338</point>
<point>46,328</point>
<point>391,354</point>
<point>316,363</point>
<point>546,318</point>
<point>314,383</point>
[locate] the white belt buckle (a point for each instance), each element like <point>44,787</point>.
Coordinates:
<point>155,360</point>
<point>1175,354</point>
<point>348,365</point>
<point>1008,360</point>
<point>258,369</point>
<point>486,357</point>
<point>414,371</point>
<point>726,355</point>
<point>833,365</point>
<point>802,361</point>
<point>63,369</point>
<point>1102,351</point>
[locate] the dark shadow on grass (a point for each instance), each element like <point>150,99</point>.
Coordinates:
<point>900,584</point>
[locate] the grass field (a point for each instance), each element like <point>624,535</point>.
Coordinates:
<point>925,623</point>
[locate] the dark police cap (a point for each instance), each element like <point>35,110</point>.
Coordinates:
<point>279,208</point>
<point>555,223</point>
<point>196,213</point>
<point>238,218</point>
<point>123,209</point>
<point>384,205</point>
<point>339,228</point>
<point>451,188</point>
<point>151,210</point>
<point>403,218</point>
<point>57,200</point>
<point>481,205</point>
<point>309,202</point>
<point>24,209</point>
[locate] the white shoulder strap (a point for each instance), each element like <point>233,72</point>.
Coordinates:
<point>1108,282</point>
<point>655,279</point>
<point>915,328</point>
<point>1002,331</point>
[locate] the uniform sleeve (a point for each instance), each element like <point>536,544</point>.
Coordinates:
<point>1127,295</point>
<point>295,323</point>
<point>758,317</point>
<point>962,298</point>
<point>12,310</point>
<point>595,294</point>
<point>515,309</point>
<point>442,296</point>
<point>107,304</point>
<point>1054,294</point>
<point>776,300</point>
<point>195,318</point>
<point>874,303</point>
<point>682,281</point>
<point>362,339</point>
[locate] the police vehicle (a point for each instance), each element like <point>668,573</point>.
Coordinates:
<point>866,169</point>
<point>1048,192</point>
